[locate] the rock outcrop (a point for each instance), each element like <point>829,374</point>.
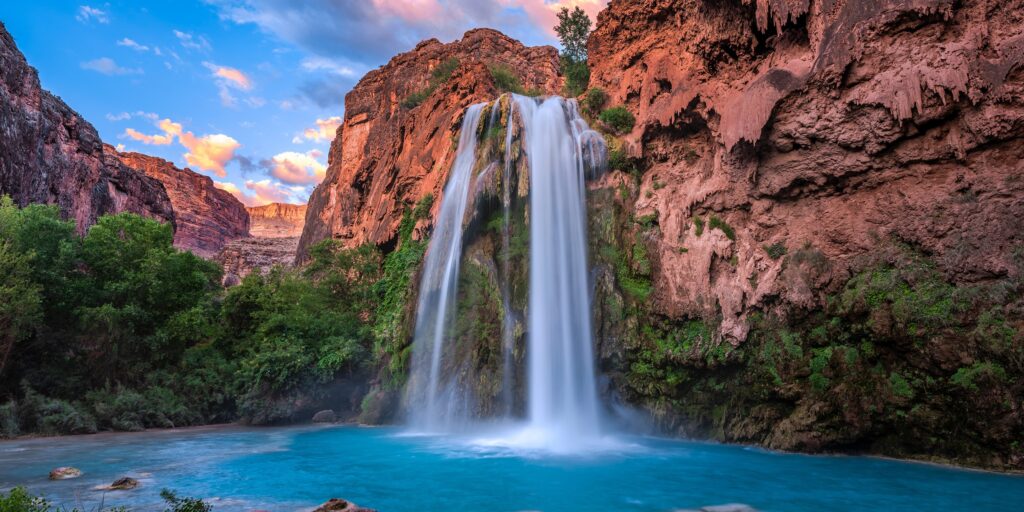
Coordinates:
<point>49,154</point>
<point>277,220</point>
<point>398,137</point>
<point>247,255</point>
<point>207,217</point>
<point>830,124</point>
<point>274,230</point>
<point>813,240</point>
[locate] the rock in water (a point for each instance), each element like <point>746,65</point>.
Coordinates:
<point>121,484</point>
<point>340,505</point>
<point>64,473</point>
<point>325,416</point>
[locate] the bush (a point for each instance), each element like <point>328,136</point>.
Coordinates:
<point>19,500</point>
<point>716,223</point>
<point>595,100</point>
<point>577,77</point>
<point>51,416</point>
<point>776,250</point>
<point>183,504</point>
<point>441,74</point>
<point>505,79</point>
<point>9,420</point>
<point>618,119</point>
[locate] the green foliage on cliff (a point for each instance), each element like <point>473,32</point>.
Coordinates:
<point>619,119</point>
<point>395,291</point>
<point>505,79</point>
<point>716,223</point>
<point>438,76</point>
<point>867,367</point>
<point>595,100</point>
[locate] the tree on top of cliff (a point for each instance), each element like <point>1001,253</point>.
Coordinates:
<point>573,30</point>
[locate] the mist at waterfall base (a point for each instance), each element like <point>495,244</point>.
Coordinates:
<point>563,413</point>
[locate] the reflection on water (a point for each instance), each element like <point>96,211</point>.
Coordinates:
<point>297,468</point>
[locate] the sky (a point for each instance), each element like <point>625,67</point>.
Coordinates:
<point>248,92</point>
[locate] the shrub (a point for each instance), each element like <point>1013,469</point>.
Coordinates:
<point>415,98</point>
<point>440,74</point>
<point>19,500</point>
<point>967,376</point>
<point>9,420</point>
<point>776,250</point>
<point>618,119</point>
<point>505,79</point>
<point>900,387</point>
<point>719,224</point>
<point>577,77</point>
<point>51,416</point>
<point>595,100</point>
<point>698,226</point>
<point>183,504</point>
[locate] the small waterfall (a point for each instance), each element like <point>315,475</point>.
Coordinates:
<point>560,152</point>
<point>436,407</point>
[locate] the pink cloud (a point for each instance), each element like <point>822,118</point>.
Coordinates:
<point>208,153</point>
<point>544,14</point>
<point>298,168</point>
<point>325,129</point>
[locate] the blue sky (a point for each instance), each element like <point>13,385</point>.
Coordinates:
<point>248,92</point>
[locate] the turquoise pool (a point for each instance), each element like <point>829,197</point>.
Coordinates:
<point>299,467</point>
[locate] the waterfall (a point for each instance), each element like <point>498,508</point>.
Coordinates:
<point>561,152</point>
<point>436,407</point>
<point>562,390</point>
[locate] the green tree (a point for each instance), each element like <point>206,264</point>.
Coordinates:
<point>573,29</point>
<point>20,304</point>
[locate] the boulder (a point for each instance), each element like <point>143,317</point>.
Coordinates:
<point>340,505</point>
<point>121,484</point>
<point>64,473</point>
<point>325,416</point>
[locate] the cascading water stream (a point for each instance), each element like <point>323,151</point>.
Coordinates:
<point>563,406</point>
<point>562,409</point>
<point>440,281</point>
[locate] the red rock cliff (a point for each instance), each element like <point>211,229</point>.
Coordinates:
<point>277,220</point>
<point>207,217</point>
<point>387,156</point>
<point>825,124</point>
<point>49,154</point>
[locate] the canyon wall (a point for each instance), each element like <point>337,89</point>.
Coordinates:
<point>277,220</point>
<point>207,217</point>
<point>811,238</point>
<point>274,231</point>
<point>398,137</point>
<point>50,154</point>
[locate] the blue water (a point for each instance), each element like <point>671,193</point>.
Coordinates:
<point>297,468</point>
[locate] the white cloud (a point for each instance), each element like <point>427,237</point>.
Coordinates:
<point>323,64</point>
<point>123,116</point>
<point>129,43</point>
<point>87,13</point>
<point>192,42</point>
<point>107,66</point>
